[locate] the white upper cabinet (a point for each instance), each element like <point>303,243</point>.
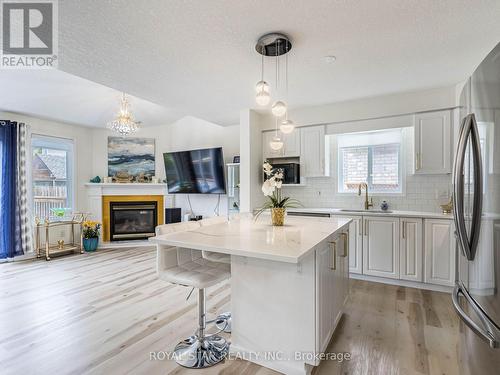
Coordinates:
<point>410,255</point>
<point>381,246</point>
<point>291,144</point>
<point>312,151</point>
<point>439,252</point>
<point>433,142</point>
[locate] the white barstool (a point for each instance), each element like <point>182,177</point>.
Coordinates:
<point>223,321</point>
<point>187,267</point>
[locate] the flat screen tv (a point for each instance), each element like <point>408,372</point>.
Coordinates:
<point>195,171</point>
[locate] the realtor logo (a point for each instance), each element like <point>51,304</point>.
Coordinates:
<point>29,34</point>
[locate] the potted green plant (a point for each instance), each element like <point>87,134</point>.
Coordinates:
<point>272,190</point>
<point>90,233</point>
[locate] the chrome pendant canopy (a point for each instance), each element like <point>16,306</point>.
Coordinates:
<point>273,44</point>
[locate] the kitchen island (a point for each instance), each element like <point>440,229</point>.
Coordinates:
<point>288,285</point>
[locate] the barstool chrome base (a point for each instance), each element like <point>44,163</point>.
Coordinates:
<point>223,322</point>
<point>195,352</point>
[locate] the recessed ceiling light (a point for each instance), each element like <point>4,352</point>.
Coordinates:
<point>329,59</point>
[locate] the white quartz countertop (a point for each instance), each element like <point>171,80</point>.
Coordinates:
<point>344,211</point>
<point>259,239</point>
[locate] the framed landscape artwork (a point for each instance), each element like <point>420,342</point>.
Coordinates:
<point>135,156</point>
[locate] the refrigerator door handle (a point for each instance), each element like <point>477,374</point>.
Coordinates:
<point>468,130</point>
<point>489,330</point>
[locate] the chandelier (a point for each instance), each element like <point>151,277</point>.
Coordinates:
<point>124,123</point>
<point>274,45</point>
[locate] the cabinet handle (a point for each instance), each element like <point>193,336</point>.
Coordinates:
<point>346,244</point>
<point>360,226</point>
<point>418,162</point>
<point>334,256</point>
<point>404,228</point>
<point>366,227</point>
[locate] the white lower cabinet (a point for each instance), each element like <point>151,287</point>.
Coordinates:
<point>381,246</point>
<point>355,243</point>
<point>439,244</point>
<point>332,278</point>
<point>406,248</point>
<point>410,250</point>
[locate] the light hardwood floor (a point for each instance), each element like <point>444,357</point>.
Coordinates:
<point>103,313</point>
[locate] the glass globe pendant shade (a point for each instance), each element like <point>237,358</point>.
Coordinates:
<point>263,98</point>
<point>276,144</point>
<point>261,86</point>
<point>287,126</point>
<point>278,109</point>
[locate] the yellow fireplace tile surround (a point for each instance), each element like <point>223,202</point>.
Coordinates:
<point>106,209</point>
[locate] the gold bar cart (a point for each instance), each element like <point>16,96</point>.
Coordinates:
<point>49,249</point>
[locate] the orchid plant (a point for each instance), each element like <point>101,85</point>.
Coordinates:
<point>272,189</point>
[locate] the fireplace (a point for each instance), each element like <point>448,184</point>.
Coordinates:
<point>132,220</point>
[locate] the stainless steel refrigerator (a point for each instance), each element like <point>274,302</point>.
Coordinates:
<point>476,198</point>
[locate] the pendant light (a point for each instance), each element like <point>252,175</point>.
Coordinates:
<point>262,88</point>
<point>276,143</point>
<point>274,45</point>
<point>279,108</point>
<point>287,126</point>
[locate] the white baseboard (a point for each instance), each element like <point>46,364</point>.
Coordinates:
<point>405,283</point>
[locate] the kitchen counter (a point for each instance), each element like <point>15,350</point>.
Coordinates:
<point>396,213</point>
<point>259,239</point>
<point>288,284</point>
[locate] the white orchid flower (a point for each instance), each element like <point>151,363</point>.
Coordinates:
<point>268,168</point>
<point>278,184</point>
<point>279,175</point>
<point>268,187</point>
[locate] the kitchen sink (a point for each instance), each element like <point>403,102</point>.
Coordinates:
<point>374,211</point>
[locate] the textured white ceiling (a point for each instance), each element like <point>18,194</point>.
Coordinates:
<point>60,96</point>
<point>197,56</point>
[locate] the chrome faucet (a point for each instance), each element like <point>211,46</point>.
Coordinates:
<point>368,203</point>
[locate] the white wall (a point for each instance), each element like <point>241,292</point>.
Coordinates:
<point>251,160</point>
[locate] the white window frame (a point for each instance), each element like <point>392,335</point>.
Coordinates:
<point>56,143</point>
<point>401,165</point>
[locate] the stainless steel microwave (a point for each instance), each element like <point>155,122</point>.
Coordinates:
<point>291,172</point>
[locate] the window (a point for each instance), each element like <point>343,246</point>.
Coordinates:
<point>371,157</point>
<point>52,174</point>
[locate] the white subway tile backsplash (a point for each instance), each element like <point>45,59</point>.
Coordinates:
<point>421,193</point>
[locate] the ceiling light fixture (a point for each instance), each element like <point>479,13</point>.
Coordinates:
<point>279,108</point>
<point>287,126</point>
<point>276,143</point>
<point>124,123</point>
<point>274,45</point>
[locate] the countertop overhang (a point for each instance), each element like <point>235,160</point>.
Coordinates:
<point>259,239</point>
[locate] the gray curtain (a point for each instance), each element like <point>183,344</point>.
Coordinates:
<point>22,208</point>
